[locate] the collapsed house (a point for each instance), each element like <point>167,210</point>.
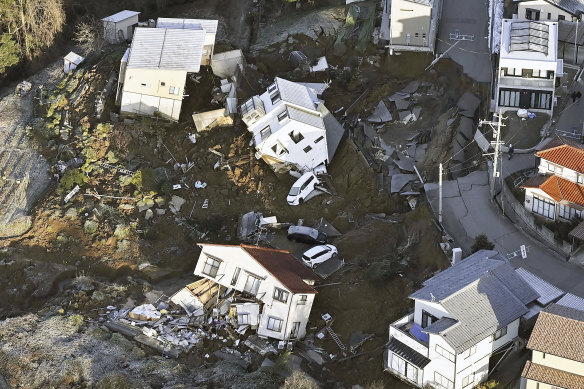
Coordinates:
<point>263,289</point>
<point>153,71</point>
<point>291,127</point>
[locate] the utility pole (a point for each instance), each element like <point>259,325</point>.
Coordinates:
<point>497,144</point>
<point>575,44</point>
<point>440,194</point>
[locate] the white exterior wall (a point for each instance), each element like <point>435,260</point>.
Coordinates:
<point>434,309</point>
<point>146,91</point>
<point>556,362</point>
<point>566,173</point>
<point>110,29</point>
<point>408,19</point>
<point>439,363</point>
<point>234,257</point>
<point>545,8</point>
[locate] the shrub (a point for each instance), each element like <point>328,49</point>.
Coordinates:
<point>73,177</point>
<point>481,242</point>
<point>300,380</point>
<point>379,272</point>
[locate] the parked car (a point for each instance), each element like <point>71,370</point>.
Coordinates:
<point>319,254</point>
<point>306,235</point>
<point>302,188</point>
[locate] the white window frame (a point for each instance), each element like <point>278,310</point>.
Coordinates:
<point>211,266</point>
<point>500,333</point>
<point>235,277</point>
<point>544,207</point>
<point>242,319</point>
<point>468,380</point>
<point>445,353</point>
<point>173,90</point>
<point>302,299</point>
<point>254,282</point>
<point>553,168</point>
<point>280,295</point>
<point>282,115</point>
<point>442,381</point>
<point>567,212</point>
<point>469,352</point>
<point>274,324</point>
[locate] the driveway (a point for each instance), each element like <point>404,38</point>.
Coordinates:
<point>468,211</point>
<point>468,17</point>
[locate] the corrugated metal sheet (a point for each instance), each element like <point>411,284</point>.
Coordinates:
<point>407,353</point>
<point>572,301</point>
<point>294,93</point>
<point>313,120</point>
<point>547,292</point>
<point>161,48</point>
<point>209,25</point>
<point>122,15</point>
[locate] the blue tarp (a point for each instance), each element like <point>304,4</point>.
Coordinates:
<point>416,330</point>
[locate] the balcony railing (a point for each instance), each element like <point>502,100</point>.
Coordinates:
<point>400,330</point>
<point>523,82</point>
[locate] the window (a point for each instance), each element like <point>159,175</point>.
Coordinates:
<point>319,139</point>
<point>280,295</point>
<point>424,35</point>
<point>211,266</point>
<point>549,15</point>
<point>243,319</point>
<point>162,83</point>
<point>404,368</point>
<point>235,276</point>
<point>282,115</point>
<point>567,212</point>
<point>144,84</point>
<point>580,179</point>
<point>541,100</point>
<point>302,299</point>
<point>543,355</point>
<point>500,333</point>
<point>508,98</point>
<point>416,35</point>
<point>427,319</point>
<point>265,132</point>
<point>275,324</point>
<point>173,90</point>
<point>555,168</point>
<point>295,329</point>
<point>469,352</point>
<point>275,97</point>
<point>307,149</point>
<point>279,149</point>
<point>296,136</point>
<point>469,379</point>
<point>252,284</point>
<point>543,207</point>
<point>445,353</point>
<point>442,381</point>
<point>561,17</point>
<point>272,88</point>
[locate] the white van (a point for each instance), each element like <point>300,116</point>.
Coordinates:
<point>302,188</point>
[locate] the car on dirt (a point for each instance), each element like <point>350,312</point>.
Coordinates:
<point>306,235</point>
<point>319,254</point>
<point>302,188</point>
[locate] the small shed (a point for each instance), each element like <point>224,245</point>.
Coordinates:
<point>119,27</point>
<point>71,61</point>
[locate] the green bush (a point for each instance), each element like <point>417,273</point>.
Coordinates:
<point>481,242</point>
<point>379,272</point>
<point>73,177</point>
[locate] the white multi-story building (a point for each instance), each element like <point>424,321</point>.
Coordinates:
<point>461,317</point>
<point>557,344</point>
<point>291,127</point>
<point>154,69</point>
<point>552,10</point>
<point>277,284</point>
<point>413,24</point>
<point>558,189</point>
<point>528,66</point>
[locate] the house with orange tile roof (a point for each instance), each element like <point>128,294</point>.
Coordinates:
<point>269,290</point>
<point>557,344</point>
<point>557,192</point>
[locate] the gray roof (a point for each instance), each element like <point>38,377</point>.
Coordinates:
<point>481,308</point>
<point>294,93</point>
<point>161,48</point>
<point>515,283</point>
<point>210,26</point>
<point>334,131</point>
<point>440,325</point>
<point>458,276</point>
<point>122,15</point>
<point>571,301</point>
<point>313,120</point>
<point>547,292</point>
<point>575,7</point>
<point>423,2</point>
<point>408,353</point>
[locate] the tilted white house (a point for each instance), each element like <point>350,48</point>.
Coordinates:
<point>462,316</point>
<point>413,24</point>
<point>154,69</point>
<point>119,27</point>
<point>291,127</point>
<point>208,25</point>
<point>552,10</point>
<point>528,66</point>
<point>278,285</point>
<point>557,344</point>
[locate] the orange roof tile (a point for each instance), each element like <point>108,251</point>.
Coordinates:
<point>560,189</point>
<point>565,155</point>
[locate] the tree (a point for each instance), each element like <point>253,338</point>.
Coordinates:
<point>9,53</point>
<point>89,35</point>
<point>481,242</point>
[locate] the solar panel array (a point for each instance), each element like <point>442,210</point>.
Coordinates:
<point>529,36</point>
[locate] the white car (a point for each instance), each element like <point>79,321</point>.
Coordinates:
<point>302,188</point>
<point>319,254</point>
